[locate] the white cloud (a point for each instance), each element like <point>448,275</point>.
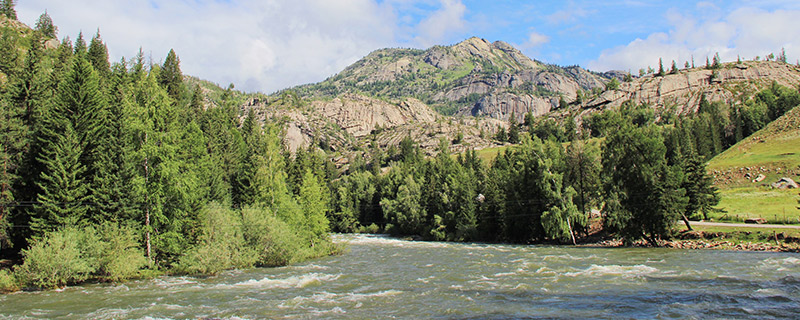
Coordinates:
<point>745,32</point>
<point>571,13</point>
<point>536,39</point>
<point>257,45</point>
<point>436,27</point>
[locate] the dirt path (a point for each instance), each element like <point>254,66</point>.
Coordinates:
<point>742,225</point>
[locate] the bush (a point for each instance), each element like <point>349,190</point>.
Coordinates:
<point>372,228</point>
<point>56,260</point>
<point>221,246</point>
<point>275,243</point>
<point>120,255</point>
<point>8,282</point>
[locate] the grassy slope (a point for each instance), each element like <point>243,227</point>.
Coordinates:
<point>777,146</point>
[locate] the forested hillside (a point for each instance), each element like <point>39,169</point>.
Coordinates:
<point>112,169</point>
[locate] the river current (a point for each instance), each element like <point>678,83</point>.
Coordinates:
<point>381,277</point>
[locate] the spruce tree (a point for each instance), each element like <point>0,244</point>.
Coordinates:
<point>80,45</point>
<point>64,192</point>
<point>46,27</point>
<point>7,9</point>
<point>171,77</point>
<point>98,55</point>
<point>700,190</point>
<point>9,53</point>
<point>12,145</point>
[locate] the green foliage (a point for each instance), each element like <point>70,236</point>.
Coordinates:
<point>548,129</point>
<point>64,190</point>
<point>558,221</point>
<point>58,259</point>
<point>583,168</point>
<point>406,212</point>
<point>274,241</point>
<point>71,255</point>
<point>7,9</point>
<point>222,243</point>
<point>46,27</point>
<point>643,192</point>
<point>97,54</point>
<point>613,84</point>
<point>171,77</point>
<point>314,201</point>
<point>119,256</point>
<point>501,135</point>
<point>8,281</point>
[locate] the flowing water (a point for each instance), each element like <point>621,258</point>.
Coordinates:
<point>381,277</point>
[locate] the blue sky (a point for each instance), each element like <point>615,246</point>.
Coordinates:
<point>268,45</point>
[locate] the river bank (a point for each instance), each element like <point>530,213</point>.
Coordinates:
<point>700,240</point>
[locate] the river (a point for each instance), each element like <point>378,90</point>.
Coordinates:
<point>380,277</point>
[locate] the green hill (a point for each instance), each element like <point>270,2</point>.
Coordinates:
<point>773,152</point>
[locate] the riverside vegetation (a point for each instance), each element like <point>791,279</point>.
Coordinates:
<point>117,171</point>
<point>126,170</point>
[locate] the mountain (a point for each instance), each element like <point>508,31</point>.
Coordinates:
<point>461,93</point>
<point>471,78</point>
<point>472,88</point>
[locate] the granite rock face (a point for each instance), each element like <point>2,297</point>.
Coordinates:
<point>685,89</point>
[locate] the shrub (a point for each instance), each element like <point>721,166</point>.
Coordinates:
<point>8,282</point>
<point>56,260</point>
<point>120,255</point>
<point>221,246</point>
<point>275,243</point>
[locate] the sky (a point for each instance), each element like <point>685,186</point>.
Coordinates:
<point>269,45</point>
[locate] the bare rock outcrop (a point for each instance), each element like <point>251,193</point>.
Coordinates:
<point>501,106</point>
<point>685,88</point>
<point>359,115</point>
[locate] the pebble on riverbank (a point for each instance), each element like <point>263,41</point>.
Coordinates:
<point>706,245</point>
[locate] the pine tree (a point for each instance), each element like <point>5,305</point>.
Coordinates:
<point>513,128</point>
<point>29,92</point>
<point>7,9</point>
<point>196,106</point>
<point>643,194</point>
<point>582,173</point>
<point>171,77</point>
<point>501,135</point>
<point>660,67</point>
<point>700,190</point>
<point>80,45</point>
<point>64,192</point>
<point>98,55</point>
<point>674,68</point>
<point>9,54</point>
<point>12,145</point>
<point>46,27</point>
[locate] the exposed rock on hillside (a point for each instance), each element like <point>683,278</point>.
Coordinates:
<point>685,89</point>
<point>474,77</point>
<point>359,115</point>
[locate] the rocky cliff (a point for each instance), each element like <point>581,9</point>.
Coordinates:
<point>684,89</point>
<point>474,77</point>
